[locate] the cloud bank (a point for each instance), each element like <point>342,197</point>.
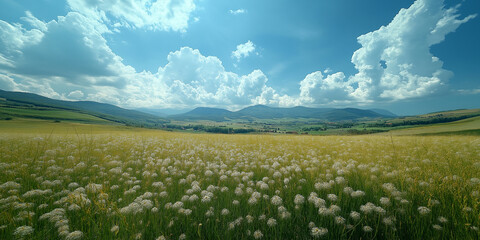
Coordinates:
<point>394,62</point>
<point>162,15</point>
<point>69,58</point>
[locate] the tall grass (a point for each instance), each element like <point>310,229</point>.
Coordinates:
<point>151,185</point>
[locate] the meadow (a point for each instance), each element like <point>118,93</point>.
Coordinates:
<point>127,184</point>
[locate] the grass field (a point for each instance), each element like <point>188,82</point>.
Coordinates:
<point>45,127</point>
<point>112,182</point>
<point>469,126</point>
<point>52,114</point>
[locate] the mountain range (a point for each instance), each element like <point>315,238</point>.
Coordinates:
<point>266,112</point>
<point>149,117</point>
<point>100,110</point>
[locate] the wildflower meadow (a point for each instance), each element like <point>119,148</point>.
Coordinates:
<point>161,185</point>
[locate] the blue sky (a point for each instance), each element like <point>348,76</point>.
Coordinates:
<point>407,56</point>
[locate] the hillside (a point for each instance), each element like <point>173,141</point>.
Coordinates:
<point>29,105</point>
<point>263,112</point>
<point>468,126</point>
<point>205,113</point>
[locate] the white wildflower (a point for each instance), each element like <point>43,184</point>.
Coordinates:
<point>367,229</point>
<point>114,229</point>
<point>276,200</point>
<point>23,231</point>
<point>423,210</point>
<point>385,201</point>
<point>357,194</point>
<point>271,222</point>
<point>437,227</point>
<point>74,235</point>
<point>332,197</point>
<point>339,220</point>
<point>355,215</point>
<point>225,212</point>
<point>299,199</point>
<point>442,219</point>
<point>257,234</point>
<point>318,232</point>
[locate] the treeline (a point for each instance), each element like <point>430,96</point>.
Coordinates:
<point>332,125</point>
<point>364,131</point>
<point>210,129</point>
<point>316,128</point>
<point>425,121</point>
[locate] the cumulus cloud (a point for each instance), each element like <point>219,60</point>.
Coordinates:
<point>69,58</point>
<point>394,61</point>
<point>7,83</point>
<point>55,58</point>
<point>195,79</point>
<point>77,94</point>
<point>317,89</point>
<point>238,11</point>
<point>162,15</point>
<point>243,50</point>
<point>71,47</point>
<point>408,67</point>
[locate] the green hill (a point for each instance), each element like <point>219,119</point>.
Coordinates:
<point>263,112</point>
<point>29,105</point>
<point>468,126</point>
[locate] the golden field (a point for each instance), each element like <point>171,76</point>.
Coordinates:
<point>89,183</point>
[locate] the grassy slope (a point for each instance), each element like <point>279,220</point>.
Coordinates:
<point>39,126</point>
<point>445,114</point>
<point>50,114</point>
<point>99,110</point>
<point>469,126</point>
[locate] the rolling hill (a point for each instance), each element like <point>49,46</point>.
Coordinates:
<point>29,105</point>
<point>458,122</point>
<point>266,112</point>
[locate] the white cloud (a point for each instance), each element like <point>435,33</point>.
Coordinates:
<point>69,58</point>
<point>14,37</point>
<point>56,58</point>
<point>243,50</point>
<point>7,83</point>
<point>162,15</point>
<point>202,80</point>
<point>394,62</point>
<point>71,48</point>
<point>238,11</point>
<point>34,22</point>
<point>77,94</point>
<point>469,91</point>
<point>403,48</point>
<point>317,89</point>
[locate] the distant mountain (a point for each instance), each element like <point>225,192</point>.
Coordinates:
<point>205,113</point>
<point>155,112</point>
<point>163,112</point>
<point>265,112</point>
<point>384,112</point>
<point>101,110</point>
<point>350,114</point>
<point>120,115</point>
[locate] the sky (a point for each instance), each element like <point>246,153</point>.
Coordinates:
<point>409,57</point>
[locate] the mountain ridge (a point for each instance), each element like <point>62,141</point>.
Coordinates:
<point>117,114</point>
<point>101,110</point>
<point>266,112</point>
